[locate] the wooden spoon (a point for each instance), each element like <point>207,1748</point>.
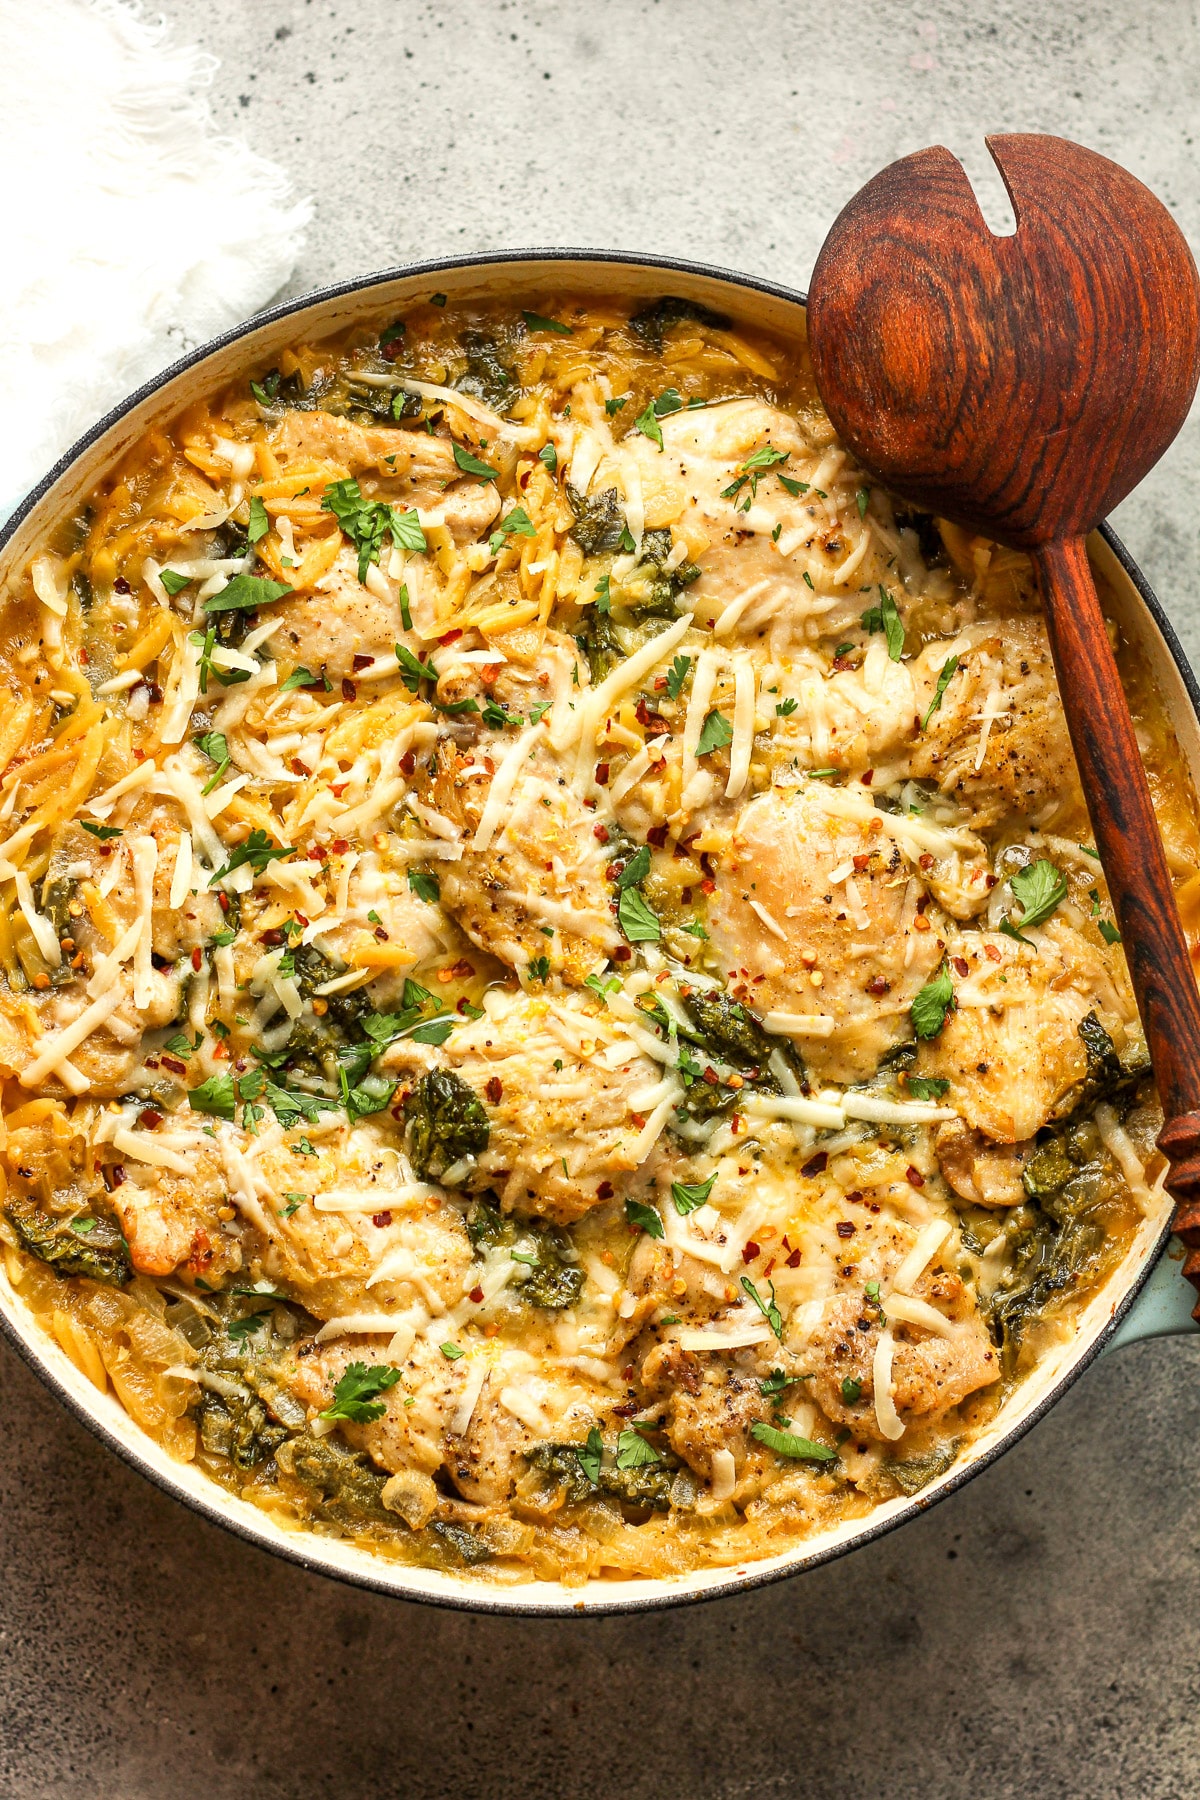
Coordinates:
<point>1023,385</point>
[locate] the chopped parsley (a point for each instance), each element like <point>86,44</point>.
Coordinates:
<point>927,1087</point>
<point>412,670</point>
<point>471,465</point>
<point>539,969</point>
<point>636,918</point>
<point>633,1452</point>
<point>103,832</point>
<point>785,708</point>
<point>257,851</point>
<point>424,886</point>
<point>245,593</point>
<point>751,471</point>
<point>943,682</point>
<point>303,678</point>
<point>931,1004</point>
<point>367,522</point>
<point>885,618</point>
<point>852,1389</point>
<point>517,524</point>
<point>614,405</point>
<point>677,674</point>
<point>1041,890</point>
<point>1108,931</point>
<point>536,322</point>
<point>644,1218</point>
<point>787,1443</point>
<point>451,1352</point>
<point>259,523</point>
<point>669,401</point>
<point>771,1312</point>
<point>715,734</point>
<point>590,1454</point>
<point>173,581</point>
<point>689,1196</point>
<point>356,1396</point>
<point>548,457</point>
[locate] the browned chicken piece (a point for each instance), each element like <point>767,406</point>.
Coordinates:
<point>709,1407</point>
<point>1021,763</point>
<point>832,948</point>
<point>1010,1062</point>
<point>978,1170</point>
<point>173,1222</point>
<point>339,620</point>
<point>386,451</point>
<point>562,1118</point>
<point>540,888</point>
<point>930,1373</point>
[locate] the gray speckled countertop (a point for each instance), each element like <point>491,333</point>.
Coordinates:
<point>1035,1634</point>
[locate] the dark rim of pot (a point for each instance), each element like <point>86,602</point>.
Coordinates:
<point>481,1600</point>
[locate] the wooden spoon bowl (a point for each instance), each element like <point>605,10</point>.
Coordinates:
<point>1023,385</point>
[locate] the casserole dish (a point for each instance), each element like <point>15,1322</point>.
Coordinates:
<point>598,277</point>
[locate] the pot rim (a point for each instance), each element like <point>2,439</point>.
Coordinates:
<point>610,1598</point>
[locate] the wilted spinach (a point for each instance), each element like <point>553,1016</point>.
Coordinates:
<point>446,1122</point>
<point>88,1244</point>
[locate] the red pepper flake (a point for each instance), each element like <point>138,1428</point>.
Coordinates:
<point>992,954</point>
<point>650,721</point>
<point>879,984</point>
<point>708,885</point>
<point>489,673</point>
<point>750,1250</point>
<point>657,836</point>
<point>150,1119</point>
<point>121,586</point>
<point>961,967</point>
<point>494,1089</point>
<point>197,958</point>
<point>622,953</point>
<point>925,860</point>
<point>361,661</point>
<point>476,1295</point>
<point>152,1062</point>
<point>604,1191</point>
<point>408,762</point>
<point>816,1165</point>
<point>845,1228</point>
<point>319,853</point>
<point>219,1052</point>
<point>913,1176</point>
<point>451,637</point>
<point>462,969</point>
<point>175,1066</point>
<point>770,1265</point>
<point>381,1219</point>
<point>223,900</point>
<point>600,833</point>
<point>862,862</point>
<point>340,846</point>
<point>349,691</point>
<point>299,768</point>
<point>735,1123</point>
<point>638,1119</point>
<point>602,774</point>
<point>338,788</point>
<point>793,1261</point>
<point>867,777</point>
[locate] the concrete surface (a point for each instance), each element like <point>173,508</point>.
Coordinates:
<point>1035,1635</point>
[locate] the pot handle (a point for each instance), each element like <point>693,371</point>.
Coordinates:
<point>1164,1306</point>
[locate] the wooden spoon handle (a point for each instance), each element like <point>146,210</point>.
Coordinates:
<point>1135,864</point>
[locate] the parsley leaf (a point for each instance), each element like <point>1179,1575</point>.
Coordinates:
<point>548,457</point>
<point>539,969</point>
<point>179,1045</point>
<point>689,1196</point>
<point>645,1218</point>
<point>536,322</point>
<point>1108,931</point>
<point>614,405</point>
<point>1041,890</point>
<point>246,592</point>
<point>770,1313</point>
<point>367,522</point>
<point>851,1389</point>
<point>885,618</point>
<point>424,886</point>
<point>776,1382</point>
<point>518,523</point>
<point>471,465</point>
<point>785,708</point>
<point>412,670</point>
<point>863,497</point>
<point>356,1395</point>
<point>633,1452</point>
<point>215,1096</point>
<point>302,678</point>
<point>677,675</point>
<point>589,1455</point>
<point>258,851</point>
<point>259,523</point>
<point>787,1443</point>
<point>715,734</point>
<point>173,581</point>
<point>931,1004</point>
<point>636,918</point>
<point>103,832</point>
<point>636,869</point>
<point>927,1087</point>
<point>647,423</point>
<point>943,682</point>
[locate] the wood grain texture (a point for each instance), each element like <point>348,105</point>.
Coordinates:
<point>1022,386</point>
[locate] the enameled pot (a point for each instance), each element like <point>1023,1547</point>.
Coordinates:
<point>1111,1316</point>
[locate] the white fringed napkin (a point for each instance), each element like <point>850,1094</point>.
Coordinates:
<point>130,230</point>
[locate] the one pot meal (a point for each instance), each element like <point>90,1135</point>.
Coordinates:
<point>558,1010</point>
